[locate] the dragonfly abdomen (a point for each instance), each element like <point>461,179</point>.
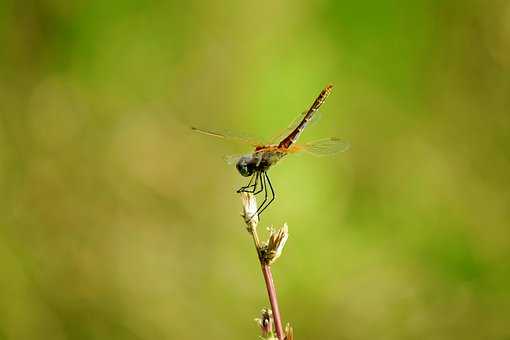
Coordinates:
<point>294,135</point>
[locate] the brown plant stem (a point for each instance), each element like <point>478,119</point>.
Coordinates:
<point>267,254</point>
<point>271,291</point>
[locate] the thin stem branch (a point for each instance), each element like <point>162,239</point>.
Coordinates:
<point>271,291</point>
<point>267,254</point>
<point>256,240</point>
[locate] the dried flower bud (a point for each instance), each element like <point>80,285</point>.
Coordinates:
<point>289,332</point>
<point>274,247</point>
<point>266,323</point>
<point>249,213</point>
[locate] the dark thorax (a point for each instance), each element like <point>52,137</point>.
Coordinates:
<point>259,161</point>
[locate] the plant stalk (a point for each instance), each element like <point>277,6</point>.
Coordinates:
<point>267,254</point>
<point>271,291</point>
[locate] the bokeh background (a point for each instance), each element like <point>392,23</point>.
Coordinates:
<point>117,222</point>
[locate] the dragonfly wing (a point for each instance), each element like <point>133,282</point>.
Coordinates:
<point>227,136</point>
<point>232,159</point>
<point>324,147</point>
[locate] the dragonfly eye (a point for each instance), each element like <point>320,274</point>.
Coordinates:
<point>244,166</point>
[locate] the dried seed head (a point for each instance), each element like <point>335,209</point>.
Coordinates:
<point>266,323</point>
<point>274,247</point>
<point>249,210</point>
<point>289,332</point>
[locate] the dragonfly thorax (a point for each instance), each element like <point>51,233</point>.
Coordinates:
<point>256,162</point>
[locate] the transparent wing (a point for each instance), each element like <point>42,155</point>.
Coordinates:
<point>325,147</point>
<point>232,159</point>
<point>228,136</point>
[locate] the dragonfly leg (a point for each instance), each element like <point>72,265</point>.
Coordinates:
<point>262,184</point>
<point>244,188</point>
<point>264,187</point>
<point>254,185</point>
<point>249,185</point>
<point>262,207</point>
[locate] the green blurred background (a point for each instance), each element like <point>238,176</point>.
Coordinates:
<point>116,222</point>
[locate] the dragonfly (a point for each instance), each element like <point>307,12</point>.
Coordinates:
<point>264,155</point>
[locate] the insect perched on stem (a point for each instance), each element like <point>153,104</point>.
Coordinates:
<point>257,163</point>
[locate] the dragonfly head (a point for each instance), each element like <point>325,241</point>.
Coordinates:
<point>246,165</point>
